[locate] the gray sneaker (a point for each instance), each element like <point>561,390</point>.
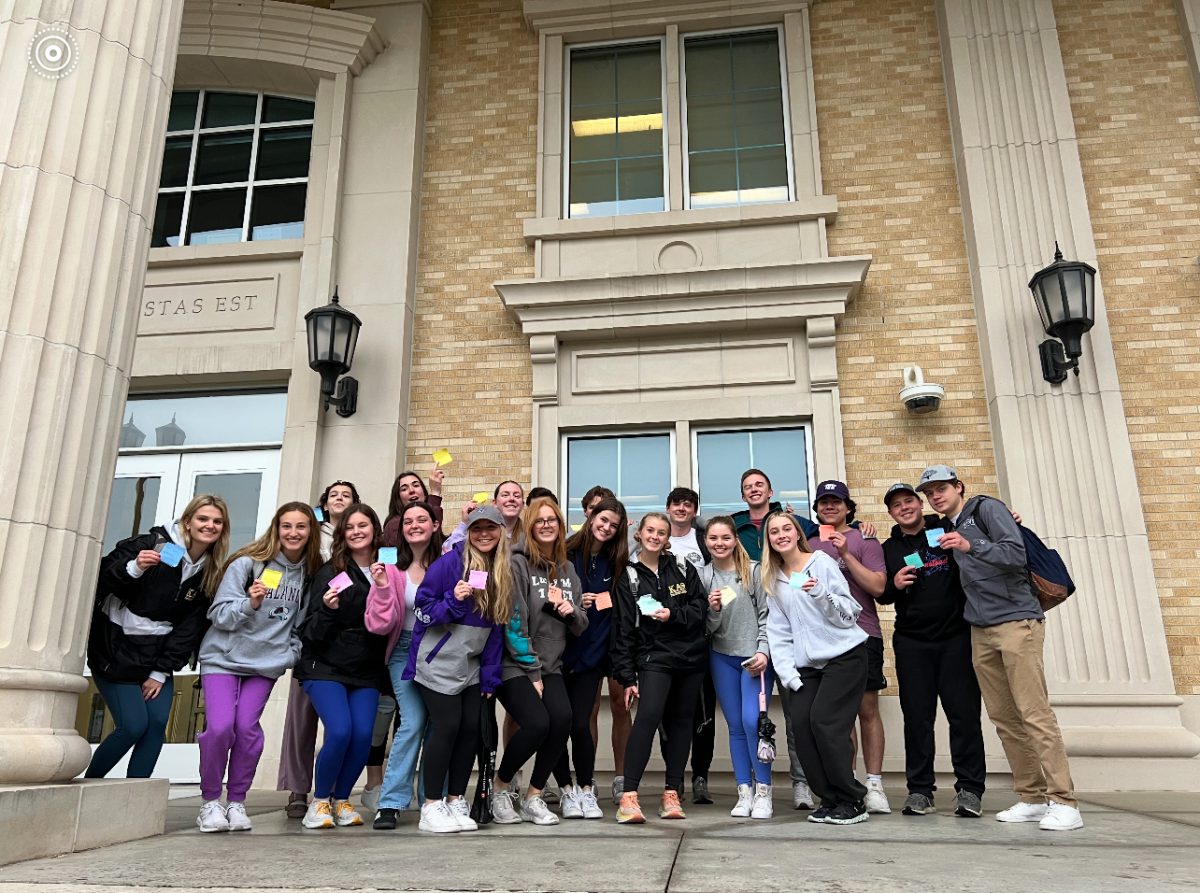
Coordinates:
<point>618,788</point>
<point>700,790</point>
<point>535,810</point>
<point>551,793</point>
<point>503,810</point>
<point>968,805</point>
<point>918,804</point>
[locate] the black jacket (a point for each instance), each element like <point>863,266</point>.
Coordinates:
<point>642,643</point>
<point>335,643</point>
<point>931,610</point>
<point>128,651</point>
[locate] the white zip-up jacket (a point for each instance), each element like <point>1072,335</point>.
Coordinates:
<point>809,629</point>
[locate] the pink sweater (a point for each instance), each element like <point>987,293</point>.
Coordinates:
<point>385,607</point>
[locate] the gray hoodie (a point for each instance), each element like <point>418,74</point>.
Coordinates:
<point>739,629</point>
<point>546,632</point>
<point>994,573</point>
<point>246,642</point>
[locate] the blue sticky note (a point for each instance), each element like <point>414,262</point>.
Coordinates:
<point>797,579</point>
<point>387,555</point>
<point>914,560</point>
<point>648,604</point>
<point>932,537</point>
<point>172,554</point>
<point>319,513</point>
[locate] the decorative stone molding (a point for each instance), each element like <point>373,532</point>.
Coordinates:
<point>617,18</point>
<point>1189,27</point>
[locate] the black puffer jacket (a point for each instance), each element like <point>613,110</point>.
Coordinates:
<point>151,623</point>
<point>336,645</point>
<point>643,643</point>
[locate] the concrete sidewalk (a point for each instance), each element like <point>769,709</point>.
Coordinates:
<point>1132,841</point>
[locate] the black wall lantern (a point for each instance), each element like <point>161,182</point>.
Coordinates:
<point>1065,294</point>
<point>332,337</point>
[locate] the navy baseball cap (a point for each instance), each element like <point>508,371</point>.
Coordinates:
<point>831,488</point>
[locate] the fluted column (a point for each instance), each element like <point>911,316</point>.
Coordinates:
<point>85,86</point>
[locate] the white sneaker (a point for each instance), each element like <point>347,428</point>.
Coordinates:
<point>588,803</point>
<point>212,817</point>
<point>503,810</point>
<point>876,800</point>
<point>1022,812</point>
<point>461,810</point>
<point>238,820</point>
<point>571,802</point>
<point>1060,817</point>
<point>535,810</point>
<point>370,798</point>
<point>745,802</point>
<point>436,817</point>
<point>618,788</point>
<point>802,797</point>
<point>319,815</point>
<point>345,815</point>
<point>762,807</point>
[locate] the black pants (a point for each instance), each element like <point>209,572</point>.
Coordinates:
<point>823,713</point>
<point>545,723</point>
<point>704,727</point>
<point>926,672</point>
<point>582,690</point>
<point>669,700</point>
<point>453,739</point>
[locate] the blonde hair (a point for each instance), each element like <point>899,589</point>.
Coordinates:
<point>267,546</point>
<point>495,601</point>
<point>210,577</point>
<point>657,516</point>
<point>541,555</point>
<point>772,561</point>
<point>741,558</point>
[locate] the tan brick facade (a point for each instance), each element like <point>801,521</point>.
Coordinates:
<point>1137,120</point>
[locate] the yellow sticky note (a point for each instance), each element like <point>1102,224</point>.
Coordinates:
<point>727,595</point>
<point>271,579</point>
<point>576,527</point>
<point>481,497</point>
<point>442,457</point>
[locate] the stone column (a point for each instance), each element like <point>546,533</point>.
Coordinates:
<point>85,86</point>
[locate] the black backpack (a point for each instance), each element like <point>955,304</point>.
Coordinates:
<point>1048,574</point>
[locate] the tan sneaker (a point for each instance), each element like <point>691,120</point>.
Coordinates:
<point>671,808</point>
<point>629,812</point>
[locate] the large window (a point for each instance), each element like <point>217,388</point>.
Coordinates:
<point>722,456</point>
<point>235,169</point>
<point>635,467</point>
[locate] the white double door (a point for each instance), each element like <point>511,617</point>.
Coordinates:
<point>153,489</point>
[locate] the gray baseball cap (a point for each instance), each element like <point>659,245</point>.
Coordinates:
<point>485,513</point>
<point>936,474</point>
<point>899,487</point>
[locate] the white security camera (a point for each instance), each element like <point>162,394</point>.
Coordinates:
<point>916,395</point>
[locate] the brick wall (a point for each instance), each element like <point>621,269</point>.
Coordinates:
<point>1138,120</point>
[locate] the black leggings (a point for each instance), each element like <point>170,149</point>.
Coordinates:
<point>453,738</point>
<point>545,723</point>
<point>582,690</point>
<point>669,700</point>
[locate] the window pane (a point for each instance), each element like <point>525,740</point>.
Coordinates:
<point>283,153</point>
<point>710,124</point>
<point>639,74</point>
<point>131,510</point>
<point>210,419</point>
<point>636,468</point>
<point>277,212</point>
<point>216,217</point>
<point>755,60</point>
<point>168,218</point>
<point>592,77</point>
<point>183,110</point>
<point>762,175</point>
<point>594,134</point>
<point>707,66</point>
<point>722,456</point>
<point>229,109</point>
<point>279,108</point>
<point>223,158</point>
<point>176,155</point>
<point>759,119</point>
<point>639,185</point>
<point>593,189</point>
<point>240,492</point>
<point>713,178</point>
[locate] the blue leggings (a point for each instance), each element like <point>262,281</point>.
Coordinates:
<point>348,715</point>
<point>141,726</point>
<point>737,693</point>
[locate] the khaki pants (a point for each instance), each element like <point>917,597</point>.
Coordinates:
<point>1012,679</point>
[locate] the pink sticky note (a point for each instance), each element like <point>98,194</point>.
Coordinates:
<point>603,601</point>
<point>826,532</point>
<point>477,579</point>
<point>554,595</point>
<point>340,582</point>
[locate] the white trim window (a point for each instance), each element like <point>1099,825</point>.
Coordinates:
<point>235,168</point>
<point>720,455</point>
<point>638,467</point>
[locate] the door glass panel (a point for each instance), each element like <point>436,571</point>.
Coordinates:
<point>241,493</point>
<point>209,419</point>
<point>131,510</point>
<point>722,456</point>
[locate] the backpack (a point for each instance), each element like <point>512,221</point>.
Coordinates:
<point>1048,574</point>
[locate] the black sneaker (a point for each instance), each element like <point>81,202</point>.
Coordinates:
<point>700,790</point>
<point>847,814</point>
<point>820,815</point>
<point>385,819</point>
<point>968,805</point>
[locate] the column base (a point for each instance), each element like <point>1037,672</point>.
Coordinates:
<point>65,818</point>
<point>38,741</point>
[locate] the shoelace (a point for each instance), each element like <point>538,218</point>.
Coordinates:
<point>589,800</point>
<point>209,808</point>
<point>323,807</point>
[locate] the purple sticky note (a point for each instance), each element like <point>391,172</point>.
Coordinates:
<point>477,579</point>
<point>340,582</point>
<point>172,554</point>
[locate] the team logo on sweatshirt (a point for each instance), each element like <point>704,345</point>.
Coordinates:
<point>677,590</point>
<point>280,612</point>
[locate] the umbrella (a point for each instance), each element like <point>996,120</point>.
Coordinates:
<point>766,728</point>
<point>481,807</point>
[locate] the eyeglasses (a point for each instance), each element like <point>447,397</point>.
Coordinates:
<point>546,522</point>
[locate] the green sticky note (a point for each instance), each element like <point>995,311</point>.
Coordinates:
<point>914,560</point>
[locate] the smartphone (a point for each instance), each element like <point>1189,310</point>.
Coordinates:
<point>748,661</point>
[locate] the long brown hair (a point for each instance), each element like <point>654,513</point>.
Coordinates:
<point>772,561</point>
<point>494,602</point>
<point>396,505</point>
<point>548,557</point>
<point>267,546</point>
<point>404,553</point>
<point>340,555</point>
<point>210,577</point>
<point>616,550</point>
<point>741,558</point>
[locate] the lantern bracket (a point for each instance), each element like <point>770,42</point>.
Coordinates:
<point>1054,361</point>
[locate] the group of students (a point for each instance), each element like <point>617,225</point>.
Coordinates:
<point>394,627</point>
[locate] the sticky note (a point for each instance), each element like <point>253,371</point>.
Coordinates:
<point>932,537</point>
<point>914,560</point>
<point>481,497</point>
<point>271,579</point>
<point>728,594</point>
<point>319,513</point>
<point>825,532</point>
<point>603,601</point>
<point>442,457</point>
<point>554,595</point>
<point>340,582</point>
<point>797,579</point>
<point>648,604</point>
<point>172,554</point>
<point>387,555</point>
<point>477,579</point>
<point>576,527</point>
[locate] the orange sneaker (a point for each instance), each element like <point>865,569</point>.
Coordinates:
<point>671,808</point>
<point>629,812</point>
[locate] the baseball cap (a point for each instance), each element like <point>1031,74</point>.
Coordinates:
<point>936,474</point>
<point>485,513</point>
<point>831,488</point>
<point>898,487</point>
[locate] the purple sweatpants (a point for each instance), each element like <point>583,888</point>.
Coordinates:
<point>232,736</point>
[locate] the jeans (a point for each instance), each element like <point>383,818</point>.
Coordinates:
<point>232,735</point>
<point>141,725</point>
<point>348,715</point>
<point>737,693</point>
<point>397,789</point>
